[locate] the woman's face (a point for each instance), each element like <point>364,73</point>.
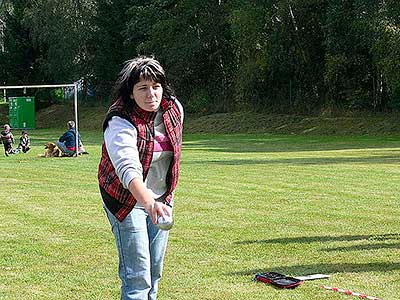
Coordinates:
<point>147,94</point>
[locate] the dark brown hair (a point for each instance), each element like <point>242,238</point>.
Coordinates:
<point>134,70</point>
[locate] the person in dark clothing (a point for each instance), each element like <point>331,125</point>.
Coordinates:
<point>8,140</point>
<point>67,142</point>
<point>24,142</point>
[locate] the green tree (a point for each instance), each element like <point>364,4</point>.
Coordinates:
<point>358,37</point>
<point>63,32</point>
<point>276,55</point>
<point>112,44</point>
<point>280,54</point>
<point>387,52</point>
<point>18,57</point>
<point>192,39</point>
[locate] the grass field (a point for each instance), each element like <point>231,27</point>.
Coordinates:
<point>245,204</point>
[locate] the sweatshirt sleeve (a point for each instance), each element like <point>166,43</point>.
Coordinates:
<point>62,138</point>
<point>120,138</point>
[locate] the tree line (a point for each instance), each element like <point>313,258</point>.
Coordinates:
<point>286,56</point>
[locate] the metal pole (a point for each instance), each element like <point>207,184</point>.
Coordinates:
<point>35,86</point>
<point>76,119</point>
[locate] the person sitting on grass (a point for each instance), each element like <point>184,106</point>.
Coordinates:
<point>24,142</point>
<point>66,143</point>
<point>8,140</point>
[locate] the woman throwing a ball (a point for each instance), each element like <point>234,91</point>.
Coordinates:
<point>138,172</point>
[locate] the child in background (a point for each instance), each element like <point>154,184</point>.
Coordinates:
<point>24,142</point>
<point>8,139</point>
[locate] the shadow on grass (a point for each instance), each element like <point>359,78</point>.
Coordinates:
<point>299,270</point>
<point>384,159</point>
<point>364,247</point>
<point>257,144</point>
<point>315,239</point>
<point>345,238</point>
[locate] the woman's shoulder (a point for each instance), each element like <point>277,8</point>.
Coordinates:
<point>179,105</point>
<point>174,100</point>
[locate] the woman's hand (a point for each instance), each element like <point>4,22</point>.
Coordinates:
<point>143,196</point>
<point>157,209</point>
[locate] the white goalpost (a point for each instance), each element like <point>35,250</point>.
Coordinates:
<point>74,85</point>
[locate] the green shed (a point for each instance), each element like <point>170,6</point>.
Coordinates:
<point>22,112</point>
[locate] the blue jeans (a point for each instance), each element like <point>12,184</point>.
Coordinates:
<point>64,149</point>
<point>141,250</point>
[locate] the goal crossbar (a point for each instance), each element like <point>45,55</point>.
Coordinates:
<point>74,85</point>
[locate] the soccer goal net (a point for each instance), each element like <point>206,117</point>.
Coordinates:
<point>67,87</point>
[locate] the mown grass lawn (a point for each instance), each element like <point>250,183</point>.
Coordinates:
<point>245,204</point>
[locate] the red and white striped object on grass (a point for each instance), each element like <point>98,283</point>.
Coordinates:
<point>347,292</point>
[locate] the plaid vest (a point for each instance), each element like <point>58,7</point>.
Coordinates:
<point>118,199</point>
